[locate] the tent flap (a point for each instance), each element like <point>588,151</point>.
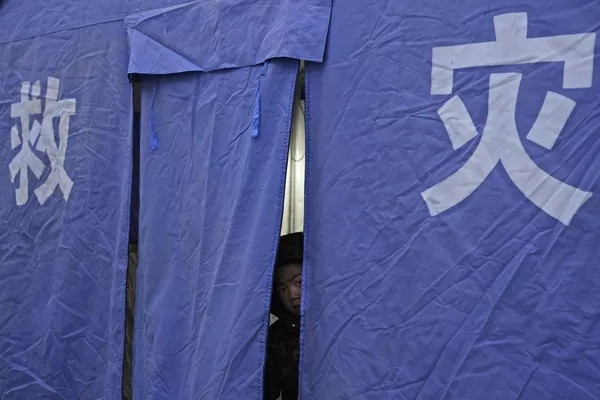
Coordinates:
<point>65,162</point>
<point>212,35</point>
<point>211,205</point>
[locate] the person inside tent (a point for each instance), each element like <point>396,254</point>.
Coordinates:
<point>283,343</point>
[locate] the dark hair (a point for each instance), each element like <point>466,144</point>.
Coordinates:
<point>290,249</point>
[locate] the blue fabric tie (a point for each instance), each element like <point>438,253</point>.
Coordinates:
<point>256,118</point>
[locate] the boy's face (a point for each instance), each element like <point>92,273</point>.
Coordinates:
<point>289,286</point>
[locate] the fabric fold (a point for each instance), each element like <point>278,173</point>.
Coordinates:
<point>208,36</point>
<point>210,216</point>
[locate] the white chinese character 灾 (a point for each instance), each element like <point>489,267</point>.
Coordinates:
<point>500,142</point>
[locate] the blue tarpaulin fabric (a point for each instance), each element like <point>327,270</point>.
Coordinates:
<point>453,203</point>
<point>65,156</point>
<point>211,198</point>
<point>232,33</point>
<point>213,159</point>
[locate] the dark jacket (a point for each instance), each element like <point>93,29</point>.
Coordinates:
<point>283,342</point>
<point>283,353</point>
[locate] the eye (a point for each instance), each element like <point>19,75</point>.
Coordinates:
<point>282,289</point>
<point>299,283</point>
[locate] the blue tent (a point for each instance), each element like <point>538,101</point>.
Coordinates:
<point>65,154</point>
<point>451,206</point>
<point>452,218</point>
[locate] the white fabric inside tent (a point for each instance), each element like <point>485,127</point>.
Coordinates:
<point>293,206</point>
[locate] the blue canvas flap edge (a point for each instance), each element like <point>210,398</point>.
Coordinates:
<point>219,34</point>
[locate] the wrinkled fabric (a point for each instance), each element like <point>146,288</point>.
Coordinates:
<point>64,115</point>
<point>211,201</point>
<point>212,176</point>
<point>495,297</point>
<point>28,19</point>
<point>231,34</point>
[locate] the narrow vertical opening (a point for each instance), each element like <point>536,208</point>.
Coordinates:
<point>132,263</point>
<point>283,339</point>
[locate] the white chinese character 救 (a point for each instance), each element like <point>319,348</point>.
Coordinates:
<point>29,105</point>
<point>500,142</point>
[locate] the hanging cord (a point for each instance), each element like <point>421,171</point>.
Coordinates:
<point>256,118</point>
<point>153,137</point>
